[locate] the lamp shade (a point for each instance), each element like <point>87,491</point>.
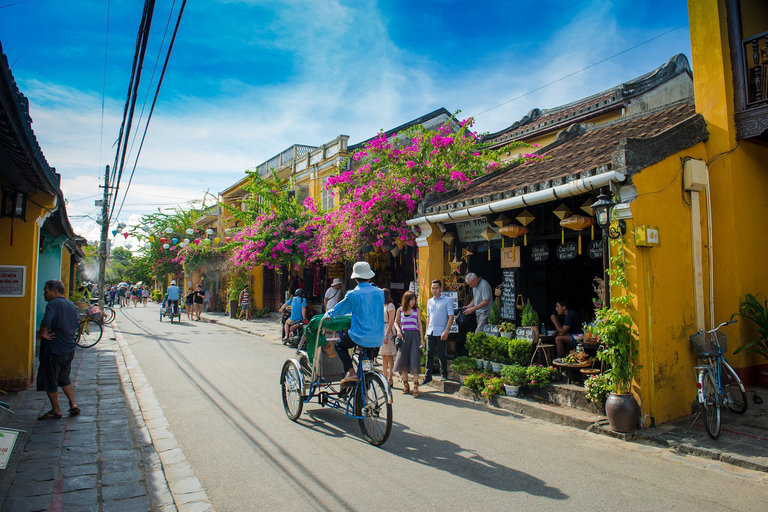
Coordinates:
<point>190,231</point>
<point>513,230</point>
<point>602,208</point>
<point>169,230</point>
<point>577,222</point>
<point>209,231</point>
<point>175,241</point>
<point>488,233</point>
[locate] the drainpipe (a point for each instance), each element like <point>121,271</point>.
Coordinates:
<point>695,180</point>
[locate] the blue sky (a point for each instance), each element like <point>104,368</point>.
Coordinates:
<point>249,78</point>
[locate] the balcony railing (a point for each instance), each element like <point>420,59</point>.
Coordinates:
<point>756,69</point>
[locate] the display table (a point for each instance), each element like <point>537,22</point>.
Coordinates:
<point>573,370</point>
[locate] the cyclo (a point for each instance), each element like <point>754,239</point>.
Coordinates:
<point>313,375</point>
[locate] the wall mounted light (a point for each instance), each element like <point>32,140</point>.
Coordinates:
<point>603,207</point>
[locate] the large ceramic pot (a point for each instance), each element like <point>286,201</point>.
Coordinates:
<point>233,309</point>
<point>623,412</point>
<point>512,390</point>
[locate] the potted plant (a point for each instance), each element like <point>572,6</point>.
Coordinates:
<point>753,310</point>
<point>598,387</point>
<point>463,365</point>
<point>265,312</point>
<point>233,295</point>
<point>494,386</point>
<point>538,376</point>
<point>476,380</point>
<point>530,318</point>
<point>507,329</point>
<point>472,344</point>
<point>513,377</point>
<point>519,351</point>
<point>494,318</point>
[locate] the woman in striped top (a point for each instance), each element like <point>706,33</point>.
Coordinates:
<point>408,327</point>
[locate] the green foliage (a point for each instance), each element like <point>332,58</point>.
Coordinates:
<point>506,327</point>
<point>472,344</point>
<point>529,318</point>
<point>598,387</point>
<point>237,281</point>
<point>519,351</point>
<point>477,380</point>
<point>753,310</point>
<point>157,296</point>
<point>498,349</point>
<point>495,317</point>
<point>537,376</point>
<point>463,365</point>
<point>513,375</point>
<point>494,386</point>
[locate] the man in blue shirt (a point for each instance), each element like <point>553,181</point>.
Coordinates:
<point>298,310</point>
<point>565,332</point>
<point>439,321</point>
<point>366,305</point>
<point>57,349</point>
<point>174,293</point>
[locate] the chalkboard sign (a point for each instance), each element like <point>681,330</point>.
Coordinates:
<point>525,333</point>
<point>508,295</point>
<point>567,251</point>
<point>595,249</point>
<point>491,329</point>
<point>540,252</point>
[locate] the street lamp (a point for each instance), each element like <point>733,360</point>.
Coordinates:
<point>602,208</point>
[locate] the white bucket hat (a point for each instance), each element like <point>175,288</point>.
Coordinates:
<point>362,270</point>
<point>173,282</point>
<point>337,281</point>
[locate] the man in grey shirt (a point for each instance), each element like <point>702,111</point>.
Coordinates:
<point>481,300</point>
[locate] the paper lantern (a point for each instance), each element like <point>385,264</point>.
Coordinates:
<point>587,206</point>
<point>228,239</point>
<point>175,241</point>
<point>190,231</point>
<point>513,231</point>
<point>169,230</point>
<point>488,233</point>
<point>217,240</point>
<point>166,246</point>
<point>162,239</point>
<point>114,232</point>
<point>525,218</point>
<point>126,235</point>
<point>197,241</point>
<point>502,220</point>
<point>209,231</point>
<point>400,243</point>
<point>577,223</point>
<point>206,241</point>
<point>448,238</point>
<point>182,245</point>
<point>186,241</point>
<point>395,251</point>
<point>562,211</point>
<point>128,246</point>
<point>151,239</point>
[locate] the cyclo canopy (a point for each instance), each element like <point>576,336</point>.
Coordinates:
<point>341,323</point>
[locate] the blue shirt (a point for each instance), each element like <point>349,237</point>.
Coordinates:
<point>438,311</point>
<point>366,305</point>
<point>296,304</point>
<point>173,292</point>
<point>61,318</point>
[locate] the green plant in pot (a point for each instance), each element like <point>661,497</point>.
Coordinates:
<point>495,316</point>
<point>463,365</point>
<point>507,329</point>
<point>519,351</point>
<point>530,318</point>
<point>597,389</point>
<point>513,376</point>
<point>494,386</point>
<point>752,309</point>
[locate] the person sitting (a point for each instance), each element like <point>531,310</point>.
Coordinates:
<point>298,311</point>
<point>571,326</point>
<point>174,293</point>
<point>366,305</point>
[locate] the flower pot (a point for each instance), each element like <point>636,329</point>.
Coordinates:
<point>512,390</point>
<point>480,364</point>
<point>496,367</point>
<point>507,335</point>
<point>233,309</point>
<point>623,412</point>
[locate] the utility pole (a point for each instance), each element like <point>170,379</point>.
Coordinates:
<point>104,239</point>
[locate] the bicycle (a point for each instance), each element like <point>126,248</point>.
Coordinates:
<point>717,383</point>
<point>312,374</point>
<point>89,330</point>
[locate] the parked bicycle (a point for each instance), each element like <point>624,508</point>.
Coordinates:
<point>89,330</point>
<point>718,385</point>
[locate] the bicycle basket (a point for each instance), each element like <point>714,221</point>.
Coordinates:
<point>706,342</point>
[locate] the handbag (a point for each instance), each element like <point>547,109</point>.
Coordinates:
<point>399,343</point>
<point>460,318</point>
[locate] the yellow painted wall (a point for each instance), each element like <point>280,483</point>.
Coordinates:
<point>17,314</point>
<point>431,264</point>
<point>257,287</point>
<point>66,260</point>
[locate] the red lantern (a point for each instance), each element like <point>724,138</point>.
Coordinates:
<point>126,235</point>
<point>197,241</point>
<point>162,240</point>
<point>228,239</point>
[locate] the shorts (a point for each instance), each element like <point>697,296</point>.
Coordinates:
<point>53,371</point>
<point>245,306</point>
<point>198,306</point>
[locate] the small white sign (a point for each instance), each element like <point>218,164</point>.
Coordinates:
<point>7,441</point>
<point>12,280</point>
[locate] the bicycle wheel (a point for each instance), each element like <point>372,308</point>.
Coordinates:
<point>710,405</point>
<point>375,408</point>
<point>290,381</point>
<point>734,396</point>
<point>88,333</point>
<point>109,315</point>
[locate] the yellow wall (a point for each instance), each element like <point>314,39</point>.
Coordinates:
<point>431,263</point>
<point>257,287</point>
<point>66,261</point>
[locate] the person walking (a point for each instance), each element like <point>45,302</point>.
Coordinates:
<point>408,327</point>
<point>439,321</point>
<point>481,300</point>
<point>198,298</point>
<point>144,295</point>
<point>388,349</point>
<point>331,298</point>
<point>57,349</point>
<point>189,300</point>
<point>245,303</point>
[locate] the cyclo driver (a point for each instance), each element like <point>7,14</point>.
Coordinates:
<point>366,304</point>
<point>173,297</point>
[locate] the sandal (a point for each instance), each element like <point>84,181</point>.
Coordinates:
<point>74,411</point>
<point>50,415</point>
<point>415,391</point>
<point>406,389</point>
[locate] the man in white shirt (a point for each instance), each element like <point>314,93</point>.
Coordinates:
<point>332,294</point>
<point>439,321</point>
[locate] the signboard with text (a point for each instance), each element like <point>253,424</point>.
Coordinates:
<point>7,441</point>
<point>12,280</point>
<point>508,295</point>
<point>454,296</point>
<point>595,249</point>
<point>510,257</point>
<point>471,230</point>
<point>567,251</point>
<point>539,252</point>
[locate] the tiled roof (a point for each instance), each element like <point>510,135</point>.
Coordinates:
<point>425,119</point>
<point>580,150</point>
<point>538,122</point>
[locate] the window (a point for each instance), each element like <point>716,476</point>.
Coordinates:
<point>327,198</point>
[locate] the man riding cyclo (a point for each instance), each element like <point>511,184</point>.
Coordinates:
<point>366,305</point>
<point>174,294</point>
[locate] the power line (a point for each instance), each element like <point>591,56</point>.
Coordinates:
<point>579,71</point>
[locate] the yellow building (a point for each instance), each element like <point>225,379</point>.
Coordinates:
<point>36,240</point>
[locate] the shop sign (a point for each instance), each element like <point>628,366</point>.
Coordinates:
<point>12,280</point>
<point>508,295</point>
<point>510,257</point>
<point>567,251</point>
<point>525,333</point>
<point>397,286</point>
<point>595,249</point>
<point>491,329</point>
<point>540,252</point>
<point>472,230</point>
<point>7,441</point>
<point>335,271</point>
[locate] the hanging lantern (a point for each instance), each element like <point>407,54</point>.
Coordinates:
<point>448,238</point>
<point>162,239</point>
<point>128,246</point>
<point>186,241</point>
<point>166,246</point>
<point>502,220</point>
<point>228,239</point>
<point>488,233</point>
<point>182,245</point>
<point>169,230</point>
<point>577,223</point>
<point>209,231</point>
<point>586,206</point>
<point>400,243</point>
<point>525,218</point>
<point>197,241</point>
<point>562,211</point>
<point>190,231</point>
<point>175,241</point>
<point>217,240</point>
<point>206,241</point>
<point>126,234</point>
<point>121,225</point>
<point>513,231</point>
<point>114,232</point>
<point>395,251</point>
<point>151,239</point>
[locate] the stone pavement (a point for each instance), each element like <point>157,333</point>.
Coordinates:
<point>118,455</point>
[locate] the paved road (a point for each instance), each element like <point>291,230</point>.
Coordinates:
<point>220,392</point>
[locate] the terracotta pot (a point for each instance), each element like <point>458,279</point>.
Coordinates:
<point>233,309</point>
<point>623,412</point>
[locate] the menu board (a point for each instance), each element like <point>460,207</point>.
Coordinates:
<point>595,249</point>
<point>539,252</point>
<point>567,251</point>
<point>508,295</point>
<point>454,296</point>
<point>525,333</point>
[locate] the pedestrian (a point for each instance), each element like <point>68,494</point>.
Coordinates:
<point>245,303</point>
<point>331,298</point>
<point>481,300</point>
<point>439,321</point>
<point>408,327</point>
<point>388,348</point>
<point>57,349</point>
<point>144,295</point>
<point>189,300</point>
<point>112,296</point>
<point>198,297</point>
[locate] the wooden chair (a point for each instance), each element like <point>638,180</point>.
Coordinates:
<point>544,348</point>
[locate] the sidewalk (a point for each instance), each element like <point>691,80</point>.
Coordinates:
<point>112,457</point>
<point>263,327</point>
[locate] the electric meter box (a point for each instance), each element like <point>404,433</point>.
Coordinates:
<point>647,236</point>
<point>695,175</point>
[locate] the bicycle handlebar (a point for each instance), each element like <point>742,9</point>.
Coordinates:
<point>729,322</point>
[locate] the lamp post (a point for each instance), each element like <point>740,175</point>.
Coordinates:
<point>603,208</point>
